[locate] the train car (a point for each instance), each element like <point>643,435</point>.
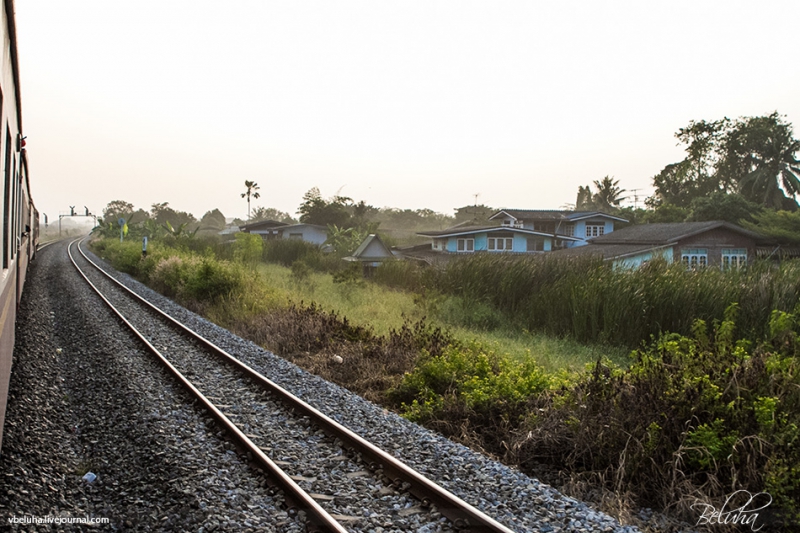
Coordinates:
<point>20,230</point>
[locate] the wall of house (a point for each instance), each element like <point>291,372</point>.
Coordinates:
<point>580,229</point>
<point>635,261</point>
<point>310,233</point>
<point>714,242</point>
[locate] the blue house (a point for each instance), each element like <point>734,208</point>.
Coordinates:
<point>524,231</point>
<point>580,225</point>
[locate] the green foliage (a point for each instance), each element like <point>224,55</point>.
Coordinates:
<point>607,197</point>
<point>709,444</point>
<point>213,220</point>
<point>247,248</point>
<point>316,210</point>
<point>784,226</point>
<point>587,299</point>
<point>459,311</point>
<point>703,413</point>
<point>345,241</point>
<point>754,156</point>
<point>286,252</point>
<point>270,213</point>
<point>732,208</point>
<point>470,378</point>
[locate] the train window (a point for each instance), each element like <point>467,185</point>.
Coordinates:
<point>6,198</point>
<point>14,204</point>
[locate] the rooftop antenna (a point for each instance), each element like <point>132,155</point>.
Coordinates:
<point>635,197</point>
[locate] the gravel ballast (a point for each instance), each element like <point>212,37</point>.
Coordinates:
<point>84,399</point>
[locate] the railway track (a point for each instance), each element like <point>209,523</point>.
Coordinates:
<point>324,470</point>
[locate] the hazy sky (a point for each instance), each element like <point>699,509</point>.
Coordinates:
<point>405,104</point>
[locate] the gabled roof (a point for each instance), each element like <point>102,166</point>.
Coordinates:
<point>372,249</point>
<point>473,230</point>
<point>548,215</point>
<point>665,233</point>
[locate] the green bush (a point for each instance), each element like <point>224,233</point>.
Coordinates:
<point>697,416</point>
<point>468,378</point>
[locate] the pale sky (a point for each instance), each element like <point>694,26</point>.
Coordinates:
<point>406,104</point>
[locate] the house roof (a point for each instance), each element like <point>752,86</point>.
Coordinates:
<point>372,249</point>
<point>263,224</point>
<point>553,215</point>
<point>665,233</point>
<point>472,230</point>
<point>608,251</point>
<point>303,224</point>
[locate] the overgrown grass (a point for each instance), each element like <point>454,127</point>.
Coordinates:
<point>589,300</point>
<point>383,309</point>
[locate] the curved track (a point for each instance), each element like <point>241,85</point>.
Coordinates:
<point>202,366</point>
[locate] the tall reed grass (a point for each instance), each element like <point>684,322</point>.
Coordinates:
<point>590,301</point>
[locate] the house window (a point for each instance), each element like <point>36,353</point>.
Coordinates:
<point>296,236</point>
<point>465,245</point>
<point>734,258</point>
<point>535,245</point>
<point>500,244</point>
<point>694,258</point>
<point>545,227</point>
<point>595,230</point>
<point>569,230</point>
<point>439,244</point>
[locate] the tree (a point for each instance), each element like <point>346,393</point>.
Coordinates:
<point>760,159</point>
<point>732,208</point>
<point>270,213</point>
<point>584,200</point>
<point>607,197</point>
<point>754,156</point>
<point>696,175</point>
<point>477,214</point>
<point>783,226</point>
<point>117,209</point>
<point>252,191</point>
<point>163,213</point>
<point>316,210</point>
<point>213,220</point>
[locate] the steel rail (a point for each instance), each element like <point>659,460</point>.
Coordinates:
<point>462,514</point>
<point>317,515</point>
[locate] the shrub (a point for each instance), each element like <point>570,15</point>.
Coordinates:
<point>694,417</point>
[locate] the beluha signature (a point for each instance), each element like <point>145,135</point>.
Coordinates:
<point>746,514</point>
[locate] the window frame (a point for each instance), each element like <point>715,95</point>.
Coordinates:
<point>468,245</point>
<point>733,258</point>
<point>694,258</point>
<point>594,230</point>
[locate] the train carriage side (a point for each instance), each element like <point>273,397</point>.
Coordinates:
<point>16,206</point>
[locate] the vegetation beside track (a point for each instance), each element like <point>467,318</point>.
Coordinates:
<point>697,414</point>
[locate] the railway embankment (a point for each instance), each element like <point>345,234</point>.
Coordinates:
<point>85,400</point>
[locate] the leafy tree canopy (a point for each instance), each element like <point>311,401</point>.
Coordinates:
<point>606,198</point>
<point>332,212</point>
<point>478,214</point>
<point>784,226</point>
<point>117,209</point>
<point>270,213</point>
<point>162,214</point>
<point>214,220</point>
<point>721,206</point>
<point>754,156</point>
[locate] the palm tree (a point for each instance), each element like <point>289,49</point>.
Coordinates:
<point>252,190</point>
<point>608,194</point>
